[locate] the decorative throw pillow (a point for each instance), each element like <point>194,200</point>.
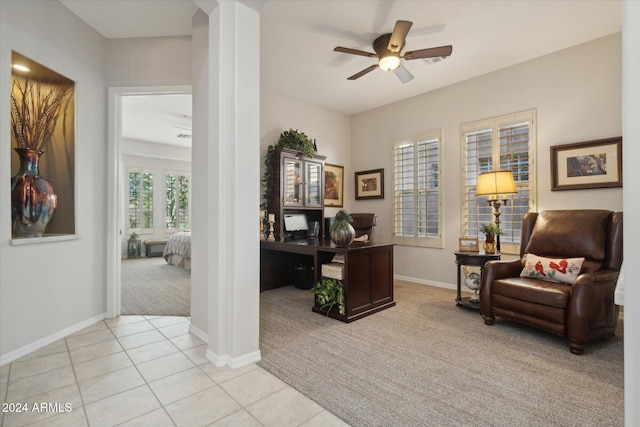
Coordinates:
<point>565,270</point>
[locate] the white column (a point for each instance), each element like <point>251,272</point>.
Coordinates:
<point>631,205</point>
<point>226,182</point>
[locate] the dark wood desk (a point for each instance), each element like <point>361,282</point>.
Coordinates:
<point>368,272</point>
<point>476,259</point>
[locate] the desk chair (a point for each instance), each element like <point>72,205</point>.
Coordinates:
<point>364,223</point>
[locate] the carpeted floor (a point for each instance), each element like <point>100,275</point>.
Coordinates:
<point>150,286</point>
<point>427,362</point>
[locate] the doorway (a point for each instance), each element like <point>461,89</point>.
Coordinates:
<point>149,132</point>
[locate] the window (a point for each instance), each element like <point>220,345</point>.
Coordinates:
<point>140,212</point>
<point>503,143</point>
<point>177,209</point>
<point>417,195</point>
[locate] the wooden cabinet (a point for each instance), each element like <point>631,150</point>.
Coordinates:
<point>368,279</point>
<point>297,187</point>
<point>368,272</point>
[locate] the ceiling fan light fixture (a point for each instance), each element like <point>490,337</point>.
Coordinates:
<point>389,62</point>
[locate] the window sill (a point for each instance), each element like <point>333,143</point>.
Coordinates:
<point>44,239</point>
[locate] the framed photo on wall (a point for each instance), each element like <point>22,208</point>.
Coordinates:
<point>370,184</point>
<point>591,164</point>
<point>333,185</point>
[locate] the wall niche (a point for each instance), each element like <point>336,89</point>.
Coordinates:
<point>42,133</point>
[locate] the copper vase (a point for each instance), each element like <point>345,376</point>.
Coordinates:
<point>33,199</point>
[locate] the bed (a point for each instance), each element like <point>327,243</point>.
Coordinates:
<point>178,250</point>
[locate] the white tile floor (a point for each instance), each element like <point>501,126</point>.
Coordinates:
<point>142,371</point>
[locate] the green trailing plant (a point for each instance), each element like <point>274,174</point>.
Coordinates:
<point>292,139</point>
<point>491,229</point>
<point>134,236</point>
<point>330,292</point>
<point>342,218</point>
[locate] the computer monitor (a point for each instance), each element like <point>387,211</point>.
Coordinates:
<point>294,223</point>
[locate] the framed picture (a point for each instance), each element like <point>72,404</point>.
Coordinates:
<point>333,185</point>
<point>468,244</point>
<point>591,164</point>
<point>370,184</point>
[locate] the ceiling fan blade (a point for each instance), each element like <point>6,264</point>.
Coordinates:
<point>355,52</point>
<point>396,42</point>
<point>429,53</point>
<point>363,72</point>
<point>403,74</point>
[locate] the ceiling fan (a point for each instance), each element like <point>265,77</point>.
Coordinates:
<point>388,48</point>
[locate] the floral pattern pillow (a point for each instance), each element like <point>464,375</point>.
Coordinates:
<point>565,270</point>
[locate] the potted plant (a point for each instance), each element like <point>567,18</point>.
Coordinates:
<point>341,231</point>
<point>330,292</point>
<point>490,230</point>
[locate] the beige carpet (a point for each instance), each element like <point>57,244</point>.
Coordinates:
<point>150,286</point>
<point>427,362</point>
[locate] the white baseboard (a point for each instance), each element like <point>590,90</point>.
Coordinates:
<point>244,360</point>
<point>225,360</point>
<point>199,333</point>
<point>426,282</point>
<point>43,342</point>
<point>233,362</point>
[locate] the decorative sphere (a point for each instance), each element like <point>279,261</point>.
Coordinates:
<point>343,235</point>
<point>472,281</point>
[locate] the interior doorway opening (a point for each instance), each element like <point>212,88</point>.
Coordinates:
<point>150,148</point>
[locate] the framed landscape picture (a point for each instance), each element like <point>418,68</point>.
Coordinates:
<point>333,185</point>
<point>591,164</point>
<point>370,184</point>
<point>467,244</point>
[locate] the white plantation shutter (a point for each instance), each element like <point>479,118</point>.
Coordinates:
<point>140,200</point>
<point>177,201</point>
<point>417,196</point>
<point>505,143</point>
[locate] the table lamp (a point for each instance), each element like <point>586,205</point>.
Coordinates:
<point>496,185</point>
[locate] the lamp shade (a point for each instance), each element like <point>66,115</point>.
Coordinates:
<point>389,62</point>
<point>495,182</point>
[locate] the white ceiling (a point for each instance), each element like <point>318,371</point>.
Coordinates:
<point>158,118</point>
<point>298,37</point>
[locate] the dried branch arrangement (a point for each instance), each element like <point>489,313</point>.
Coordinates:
<point>35,110</point>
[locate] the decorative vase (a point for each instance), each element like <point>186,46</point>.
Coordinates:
<point>342,235</point>
<point>489,244</point>
<point>33,199</point>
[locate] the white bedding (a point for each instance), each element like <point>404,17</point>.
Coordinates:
<point>178,250</point>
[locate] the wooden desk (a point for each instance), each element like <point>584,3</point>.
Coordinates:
<point>368,271</point>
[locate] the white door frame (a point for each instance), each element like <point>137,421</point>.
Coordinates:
<point>114,199</point>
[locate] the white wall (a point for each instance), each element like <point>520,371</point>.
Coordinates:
<point>155,61</point>
<point>49,288</point>
<point>631,152</point>
<point>331,130</point>
<point>577,98</point>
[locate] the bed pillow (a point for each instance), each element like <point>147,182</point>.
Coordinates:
<point>565,270</point>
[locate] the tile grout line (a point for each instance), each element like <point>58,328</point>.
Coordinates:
<point>143,378</point>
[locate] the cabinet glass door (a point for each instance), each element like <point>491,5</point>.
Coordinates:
<point>292,182</point>
<point>313,177</point>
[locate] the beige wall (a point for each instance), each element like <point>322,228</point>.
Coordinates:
<point>332,131</point>
<point>577,95</point>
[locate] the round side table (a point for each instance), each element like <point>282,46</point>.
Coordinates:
<point>474,259</point>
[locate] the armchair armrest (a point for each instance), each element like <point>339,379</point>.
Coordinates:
<point>592,306</point>
<point>496,270</point>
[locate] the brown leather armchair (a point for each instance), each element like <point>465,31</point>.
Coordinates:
<point>582,312</point>
<point>364,223</point>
